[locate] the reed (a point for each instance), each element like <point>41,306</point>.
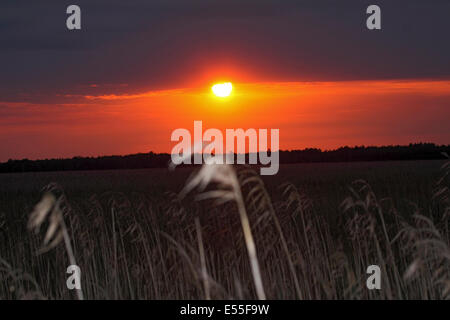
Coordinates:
<point>228,235</point>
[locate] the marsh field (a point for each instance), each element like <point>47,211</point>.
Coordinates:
<point>315,229</point>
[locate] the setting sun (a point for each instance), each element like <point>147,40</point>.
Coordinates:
<point>222,90</point>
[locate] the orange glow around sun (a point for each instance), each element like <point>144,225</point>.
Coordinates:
<point>222,90</point>
<point>323,115</point>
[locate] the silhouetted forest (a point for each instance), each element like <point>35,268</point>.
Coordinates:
<point>419,151</point>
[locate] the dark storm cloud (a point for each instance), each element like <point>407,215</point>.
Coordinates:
<point>157,44</point>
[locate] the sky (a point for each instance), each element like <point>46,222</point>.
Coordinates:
<point>137,70</point>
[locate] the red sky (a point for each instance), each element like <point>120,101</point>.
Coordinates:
<point>308,114</point>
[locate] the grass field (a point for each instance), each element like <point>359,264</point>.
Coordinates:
<point>316,228</point>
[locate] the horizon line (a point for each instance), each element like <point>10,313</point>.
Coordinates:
<point>247,153</point>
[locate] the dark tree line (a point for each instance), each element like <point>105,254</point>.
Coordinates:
<point>420,151</point>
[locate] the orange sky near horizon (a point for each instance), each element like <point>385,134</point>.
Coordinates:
<point>309,114</point>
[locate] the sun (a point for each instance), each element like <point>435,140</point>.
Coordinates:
<point>222,90</point>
